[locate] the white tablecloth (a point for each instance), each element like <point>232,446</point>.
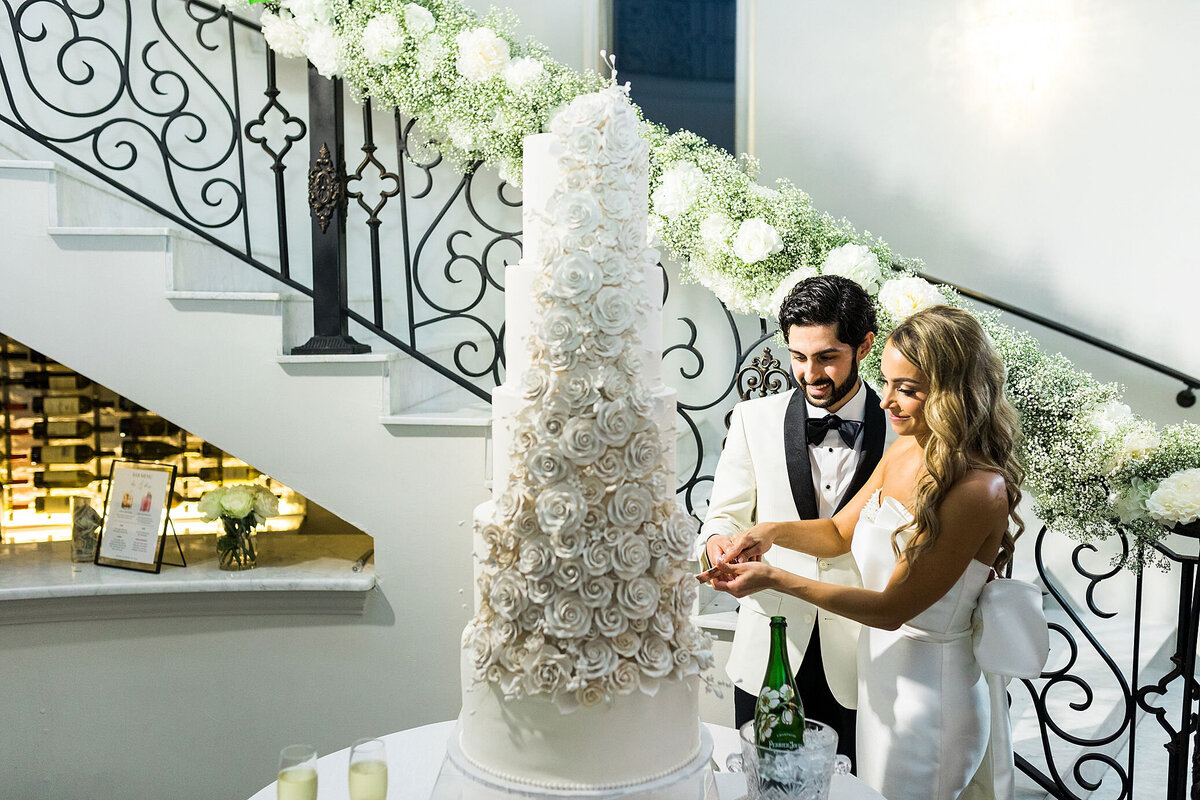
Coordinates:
<point>417,754</point>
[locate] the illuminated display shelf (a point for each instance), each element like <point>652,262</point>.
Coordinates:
<point>34,394</point>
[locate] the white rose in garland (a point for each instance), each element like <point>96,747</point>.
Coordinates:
<point>715,232</point>
<point>522,73</point>
<point>418,20</point>
<point>1176,501</point>
<point>1110,417</point>
<point>283,35</point>
<point>679,189</point>
<point>382,39</point>
<point>856,262</point>
<point>903,297</point>
<point>756,240</point>
<point>323,49</point>
<point>482,54</point>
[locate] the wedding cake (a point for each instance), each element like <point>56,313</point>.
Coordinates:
<point>581,664</point>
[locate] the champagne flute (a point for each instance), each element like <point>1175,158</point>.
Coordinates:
<point>297,773</point>
<point>368,770</point>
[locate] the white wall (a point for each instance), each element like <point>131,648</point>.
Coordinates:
<point>1039,151</point>
<point>199,706</point>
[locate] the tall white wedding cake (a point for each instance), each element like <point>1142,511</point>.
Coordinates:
<point>581,665</point>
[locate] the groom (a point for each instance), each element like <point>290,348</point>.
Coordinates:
<point>802,454</point>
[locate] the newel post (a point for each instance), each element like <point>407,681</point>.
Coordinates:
<point>327,203</point>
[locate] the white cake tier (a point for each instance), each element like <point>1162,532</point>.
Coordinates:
<point>632,740</point>
<point>507,402</point>
<point>540,176</point>
<point>519,309</point>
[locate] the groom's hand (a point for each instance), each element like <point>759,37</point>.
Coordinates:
<point>715,549</point>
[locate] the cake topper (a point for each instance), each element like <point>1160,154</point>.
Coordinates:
<point>610,59</point>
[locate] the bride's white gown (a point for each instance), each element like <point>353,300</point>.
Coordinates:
<point>924,706</point>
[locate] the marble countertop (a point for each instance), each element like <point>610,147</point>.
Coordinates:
<point>286,562</point>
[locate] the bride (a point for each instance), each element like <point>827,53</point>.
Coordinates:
<point>926,530</point>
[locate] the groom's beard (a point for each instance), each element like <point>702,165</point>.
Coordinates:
<point>840,390</point>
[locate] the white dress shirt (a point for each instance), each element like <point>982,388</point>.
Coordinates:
<point>833,463</point>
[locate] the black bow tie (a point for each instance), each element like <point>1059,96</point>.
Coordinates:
<point>817,427</point>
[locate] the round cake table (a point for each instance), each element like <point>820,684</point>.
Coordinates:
<point>415,757</point>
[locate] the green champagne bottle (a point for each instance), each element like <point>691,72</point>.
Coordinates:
<point>779,714</point>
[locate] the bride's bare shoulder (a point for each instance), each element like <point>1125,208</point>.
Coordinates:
<point>980,489</point>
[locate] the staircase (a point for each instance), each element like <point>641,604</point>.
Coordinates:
<point>182,328</point>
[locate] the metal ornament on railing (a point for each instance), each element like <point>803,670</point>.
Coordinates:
<point>1081,669</point>
<point>325,192</point>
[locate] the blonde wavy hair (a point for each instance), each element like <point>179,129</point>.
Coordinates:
<point>972,425</point>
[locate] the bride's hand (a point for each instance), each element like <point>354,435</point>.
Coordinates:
<point>750,544</point>
<point>744,578</point>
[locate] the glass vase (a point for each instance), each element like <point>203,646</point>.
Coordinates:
<point>236,546</point>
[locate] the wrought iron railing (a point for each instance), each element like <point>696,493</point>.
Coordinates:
<point>191,116</point>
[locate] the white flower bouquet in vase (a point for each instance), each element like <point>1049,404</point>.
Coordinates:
<point>241,508</point>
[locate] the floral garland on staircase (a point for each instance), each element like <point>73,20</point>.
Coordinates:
<point>1092,464</point>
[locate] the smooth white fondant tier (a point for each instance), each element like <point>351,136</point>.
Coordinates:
<point>507,403</point>
<point>634,739</point>
<point>520,308</point>
<point>539,178</point>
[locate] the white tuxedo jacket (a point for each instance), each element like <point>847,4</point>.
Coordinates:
<point>764,475</point>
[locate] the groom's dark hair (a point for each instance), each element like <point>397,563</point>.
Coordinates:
<point>830,300</point>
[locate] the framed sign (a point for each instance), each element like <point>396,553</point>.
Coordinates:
<point>137,508</point>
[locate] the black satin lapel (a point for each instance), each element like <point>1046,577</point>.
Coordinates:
<point>795,446</point>
<point>873,434</point>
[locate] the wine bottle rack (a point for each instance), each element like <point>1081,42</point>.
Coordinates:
<point>60,433</point>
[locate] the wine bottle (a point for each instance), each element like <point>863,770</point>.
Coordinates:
<point>150,449</point>
<point>53,504</point>
<point>63,479</point>
<point>211,451</point>
<point>50,380</point>
<point>147,426</point>
<point>217,474</point>
<point>66,406</point>
<point>16,353</point>
<point>65,454</point>
<point>779,714</point>
<point>63,429</point>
